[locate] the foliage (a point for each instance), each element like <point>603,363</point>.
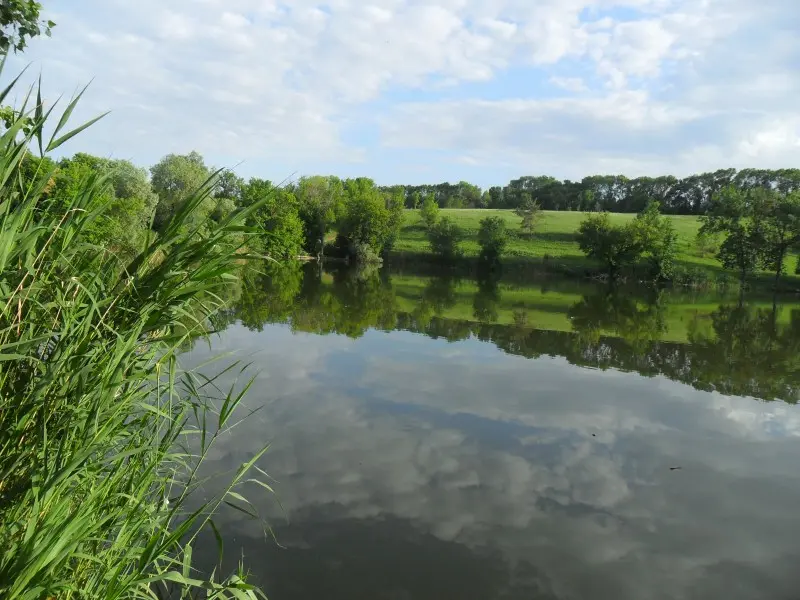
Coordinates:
<point>444,237</point>
<point>732,215</point>
<point>529,211</point>
<point>97,417</point>
<point>277,219</point>
<point>492,238</point>
<point>19,22</point>
<point>321,201</point>
<point>125,197</point>
<point>614,245</point>
<point>690,195</point>
<point>429,210</point>
<point>175,178</point>
<point>366,221</point>
<point>777,217</point>
<point>658,242</point>
<point>394,204</point>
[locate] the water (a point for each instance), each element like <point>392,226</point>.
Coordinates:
<point>434,438</point>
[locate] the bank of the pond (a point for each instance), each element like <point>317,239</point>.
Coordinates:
<point>553,248</point>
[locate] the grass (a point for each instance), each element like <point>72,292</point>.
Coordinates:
<point>103,433</point>
<point>554,240</point>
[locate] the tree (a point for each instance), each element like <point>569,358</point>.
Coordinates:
<point>615,246</point>
<point>777,216</point>
<point>229,185</point>
<point>125,193</point>
<point>19,22</point>
<point>367,225</point>
<point>429,211</point>
<point>658,241</point>
<point>277,219</point>
<point>731,214</point>
<point>492,238</point>
<point>444,237</point>
<point>529,211</point>
<point>321,201</point>
<point>175,178</point>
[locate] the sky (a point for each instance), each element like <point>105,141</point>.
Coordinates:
<point>422,91</point>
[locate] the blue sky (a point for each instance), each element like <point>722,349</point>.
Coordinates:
<point>412,91</point>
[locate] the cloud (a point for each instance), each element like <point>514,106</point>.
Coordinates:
<point>664,85</point>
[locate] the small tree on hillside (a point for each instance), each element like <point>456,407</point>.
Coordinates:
<point>529,211</point>
<point>429,211</point>
<point>613,245</point>
<point>492,237</point>
<point>444,237</point>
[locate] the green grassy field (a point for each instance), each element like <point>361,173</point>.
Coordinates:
<point>554,236</point>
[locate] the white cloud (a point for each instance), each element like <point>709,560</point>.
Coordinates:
<point>664,85</point>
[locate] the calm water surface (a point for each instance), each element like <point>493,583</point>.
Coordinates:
<point>442,439</point>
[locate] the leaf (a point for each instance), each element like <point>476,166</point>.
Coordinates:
<point>56,143</point>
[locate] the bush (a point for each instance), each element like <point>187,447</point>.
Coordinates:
<point>614,246</point>
<point>444,238</point>
<point>492,238</point>
<point>429,211</point>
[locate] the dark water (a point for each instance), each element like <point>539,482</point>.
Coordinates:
<point>437,439</point>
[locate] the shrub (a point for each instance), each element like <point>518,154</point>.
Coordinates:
<point>444,238</point>
<point>429,211</point>
<point>492,238</point>
<point>614,246</point>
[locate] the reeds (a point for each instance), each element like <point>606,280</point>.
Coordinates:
<point>101,432</point>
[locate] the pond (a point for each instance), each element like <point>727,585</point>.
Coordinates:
<point>434,437</point>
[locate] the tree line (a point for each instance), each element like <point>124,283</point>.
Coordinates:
<point>690,195</point>
<point>292,219</point>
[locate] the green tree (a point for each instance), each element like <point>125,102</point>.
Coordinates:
<point>529,211</point>
<point>19,22</point>
<point>614,246</point>
<point>175,178</point>
<point>658,241</point>
<point>124,198</point>
<point>429,211</point>
<point>731,213</point>
<point>444,237</point>
<point>366,225</point>
<point>492,238</point>
<point>777,216</point>
<point>321,204</point>
<point>395,204</point>
<point>277,218</point>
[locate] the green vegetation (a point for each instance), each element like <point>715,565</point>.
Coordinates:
<point>103,433</point>
<point>492,238</point>
<point>529,211</point>
<point>761,226</point>
<point>555,245</point>
<point>19,22</point>
<point>612,193</point>
<point>444,237</point>
<point>429,211</point>
<point>615,246</point>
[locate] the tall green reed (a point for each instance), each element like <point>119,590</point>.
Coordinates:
<point>101,432</point>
